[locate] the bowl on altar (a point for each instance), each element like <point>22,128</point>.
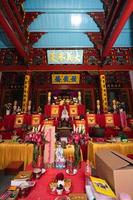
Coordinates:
<point>24,189</point>
<point>37,172</point>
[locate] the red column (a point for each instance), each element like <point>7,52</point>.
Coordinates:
<point>118,27</point>
<point>112,17</point>
<point>11,34</point>
<point>13,21</point>
<point>19,17</point>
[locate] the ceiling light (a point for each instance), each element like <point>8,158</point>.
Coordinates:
<point>76,20</point>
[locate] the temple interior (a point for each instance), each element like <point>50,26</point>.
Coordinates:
<point>66,99</point>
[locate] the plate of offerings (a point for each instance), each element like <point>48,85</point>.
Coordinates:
<point>60,186</point>
<point>71,172</point>
<point>59,189</point>
<point>62,198</point>
<point>75,196</point>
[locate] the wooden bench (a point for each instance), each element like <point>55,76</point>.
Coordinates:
<point>14,167</point>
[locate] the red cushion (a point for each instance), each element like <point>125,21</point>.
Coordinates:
<point>130,156</point>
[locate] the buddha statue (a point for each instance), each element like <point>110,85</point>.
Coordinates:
<point>64,114</point>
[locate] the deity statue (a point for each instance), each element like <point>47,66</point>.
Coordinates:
<point>64,114</point>
<point>98,106</point>
<point>15,107</point>
<point>49,98</point>
<point>79,97</point>
<point>114,104</point>
<point>60,160</point>
<point>18,110</point>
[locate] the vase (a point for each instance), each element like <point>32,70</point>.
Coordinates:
<point>84,148</point>
<point>35,155</point>
<point>77,156</point>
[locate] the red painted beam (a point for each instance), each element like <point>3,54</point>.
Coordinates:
<point>111,18</point>
<point>11,34</point>
<point>118,27</point>
<point>66,68</point>
<point>19,17</point>
<point>13,21</point>
<point>60,68</point>
<point>117,68</point>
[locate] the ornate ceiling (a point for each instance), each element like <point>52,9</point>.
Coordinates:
<point>102,28</point>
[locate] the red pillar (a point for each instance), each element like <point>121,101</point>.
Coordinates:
<point>118,27</point>
<point>13,21</point>
<point>19,17</point>
<point>11,34</point>
<point>111,18</point>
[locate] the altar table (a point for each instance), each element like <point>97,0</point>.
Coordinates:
<point>15,152</point>
<point>121,147</point>
<point>100,119</point>
<point>9,120</point>
<point>41,190</point>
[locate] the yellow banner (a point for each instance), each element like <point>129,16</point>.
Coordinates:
<point>109,120</point>
<point>35,120</point>
<point>19,121</point>
<point>65,78</point>
<point>73,110</point>
<point>54,111</point>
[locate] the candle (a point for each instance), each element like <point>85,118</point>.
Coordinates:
<point>74,127</point>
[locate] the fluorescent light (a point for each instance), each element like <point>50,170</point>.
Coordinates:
<point>76,20</point>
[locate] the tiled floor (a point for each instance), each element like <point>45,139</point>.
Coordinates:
<point>5,181</point>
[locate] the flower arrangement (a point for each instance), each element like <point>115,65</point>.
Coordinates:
<point>78,139</point>
<point>36,137</point>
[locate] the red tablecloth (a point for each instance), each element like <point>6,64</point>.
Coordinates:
<point>41,190</point>
<point>100,120</point>
<point>10,119</point>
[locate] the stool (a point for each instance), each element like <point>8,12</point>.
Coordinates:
<point>14,167</point>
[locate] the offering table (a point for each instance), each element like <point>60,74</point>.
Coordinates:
<point>11,151</point>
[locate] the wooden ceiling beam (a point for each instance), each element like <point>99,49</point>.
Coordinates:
<point>12,36</point>
<point>65,68</point>
<point>119,24</point>
<point>14,7</point>
<point>13,21</point>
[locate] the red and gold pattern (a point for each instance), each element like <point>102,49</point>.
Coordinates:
<point>26,93</point>
<point>48,122</point>
<point>54,111</point>
<point>73,110</point>
<point>109,120</point>
<point>19,121</point>
<point>104,92</point>
<point>79,123</point>
<point>91,120</point>
<point>35,120</point>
